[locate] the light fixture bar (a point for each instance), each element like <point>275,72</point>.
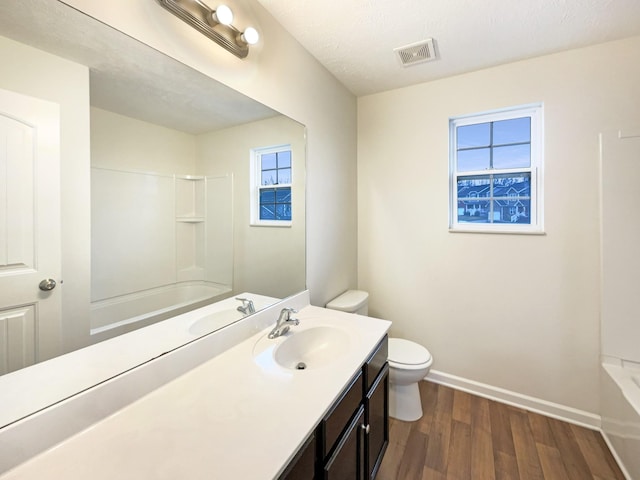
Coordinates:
<point>199,16</point>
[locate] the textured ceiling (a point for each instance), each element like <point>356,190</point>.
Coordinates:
<point>355,39</point>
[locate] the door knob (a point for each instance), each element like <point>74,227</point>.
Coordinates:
<point>47,284</point>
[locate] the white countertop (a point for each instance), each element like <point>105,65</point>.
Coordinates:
<point>230,418</point>
<point>31,389</point>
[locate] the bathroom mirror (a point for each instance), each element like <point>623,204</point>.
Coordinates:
<point>162,153</point>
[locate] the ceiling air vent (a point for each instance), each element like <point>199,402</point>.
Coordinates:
<point>415,53</point>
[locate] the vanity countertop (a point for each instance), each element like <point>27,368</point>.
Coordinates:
<point>232,417</point>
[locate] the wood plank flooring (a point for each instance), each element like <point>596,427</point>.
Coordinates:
<point>463,436</point>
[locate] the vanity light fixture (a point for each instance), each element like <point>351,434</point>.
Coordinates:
<point>214,23</point>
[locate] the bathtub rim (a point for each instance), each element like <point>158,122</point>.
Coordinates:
<point>622,372</point>
<point>218,292</point>
<point>618,374</point>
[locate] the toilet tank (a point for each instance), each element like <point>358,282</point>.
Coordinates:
<point>351,301</point>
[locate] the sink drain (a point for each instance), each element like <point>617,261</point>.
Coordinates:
<point>301,366</point>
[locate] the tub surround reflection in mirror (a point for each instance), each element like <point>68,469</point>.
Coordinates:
<point>167,198</point>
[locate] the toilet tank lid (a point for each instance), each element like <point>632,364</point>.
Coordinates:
<point>349,301</point>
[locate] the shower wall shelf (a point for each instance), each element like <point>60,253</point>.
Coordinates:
<point>190,229</point>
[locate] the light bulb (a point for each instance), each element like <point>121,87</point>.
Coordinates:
<point>223,15</point>
<point>250,36</point>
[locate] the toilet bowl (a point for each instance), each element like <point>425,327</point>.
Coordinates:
<point>409,363</point>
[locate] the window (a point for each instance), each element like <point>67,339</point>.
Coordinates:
<point>271,174</point>
<point>496,171</point>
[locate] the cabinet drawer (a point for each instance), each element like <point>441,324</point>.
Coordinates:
<point>376,362</point>
<point>337,419</point>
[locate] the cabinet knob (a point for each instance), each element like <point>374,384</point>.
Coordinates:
<point>366,428</point>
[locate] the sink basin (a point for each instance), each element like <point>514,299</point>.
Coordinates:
<point>214,321</point>
<point>311,348</point>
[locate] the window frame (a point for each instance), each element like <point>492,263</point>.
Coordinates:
<point>255,186</point>
<point>535,112</point>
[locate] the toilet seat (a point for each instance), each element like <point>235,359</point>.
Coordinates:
<point>408,355</point>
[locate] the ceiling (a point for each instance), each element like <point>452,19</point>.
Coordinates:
<point>355,39</point>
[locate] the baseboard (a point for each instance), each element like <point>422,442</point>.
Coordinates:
<point>550,409</point>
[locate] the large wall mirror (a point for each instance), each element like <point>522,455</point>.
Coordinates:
<point>170,155</point>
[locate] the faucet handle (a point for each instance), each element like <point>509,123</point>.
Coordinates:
<point>285,314</point>
<point>283,323</point>
<point>247,306</point>
<point>288,311</point>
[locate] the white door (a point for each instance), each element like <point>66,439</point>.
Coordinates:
<point>29,231</point>
<point>620,241</point>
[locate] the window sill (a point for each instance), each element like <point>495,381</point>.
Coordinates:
<point>274,223</point>
<point>503,231</point>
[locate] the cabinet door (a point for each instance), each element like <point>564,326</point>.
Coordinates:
<point>302,467</point>
<point>346,462</point>
<point>377,421</point>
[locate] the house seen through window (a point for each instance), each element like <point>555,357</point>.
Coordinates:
<point>496,177</point>
<point>271,189</point>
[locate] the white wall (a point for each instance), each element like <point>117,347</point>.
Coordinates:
<point>124,143</point>
<point>512,311</point>
<point>277,271</point>
<point>32,72</point>
<point>281,74</point>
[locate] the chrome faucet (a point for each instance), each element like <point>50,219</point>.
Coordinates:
<point>284,323</point>
<point>247,306</point>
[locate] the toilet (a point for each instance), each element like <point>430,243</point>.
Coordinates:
<point>409,362</point>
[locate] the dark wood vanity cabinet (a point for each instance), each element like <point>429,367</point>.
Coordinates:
<point>377,421</point>
<point>351,439</point>
<point>361,414</point>
<point>376,409</point>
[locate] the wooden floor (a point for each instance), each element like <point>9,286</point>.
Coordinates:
<point>462,436</point>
